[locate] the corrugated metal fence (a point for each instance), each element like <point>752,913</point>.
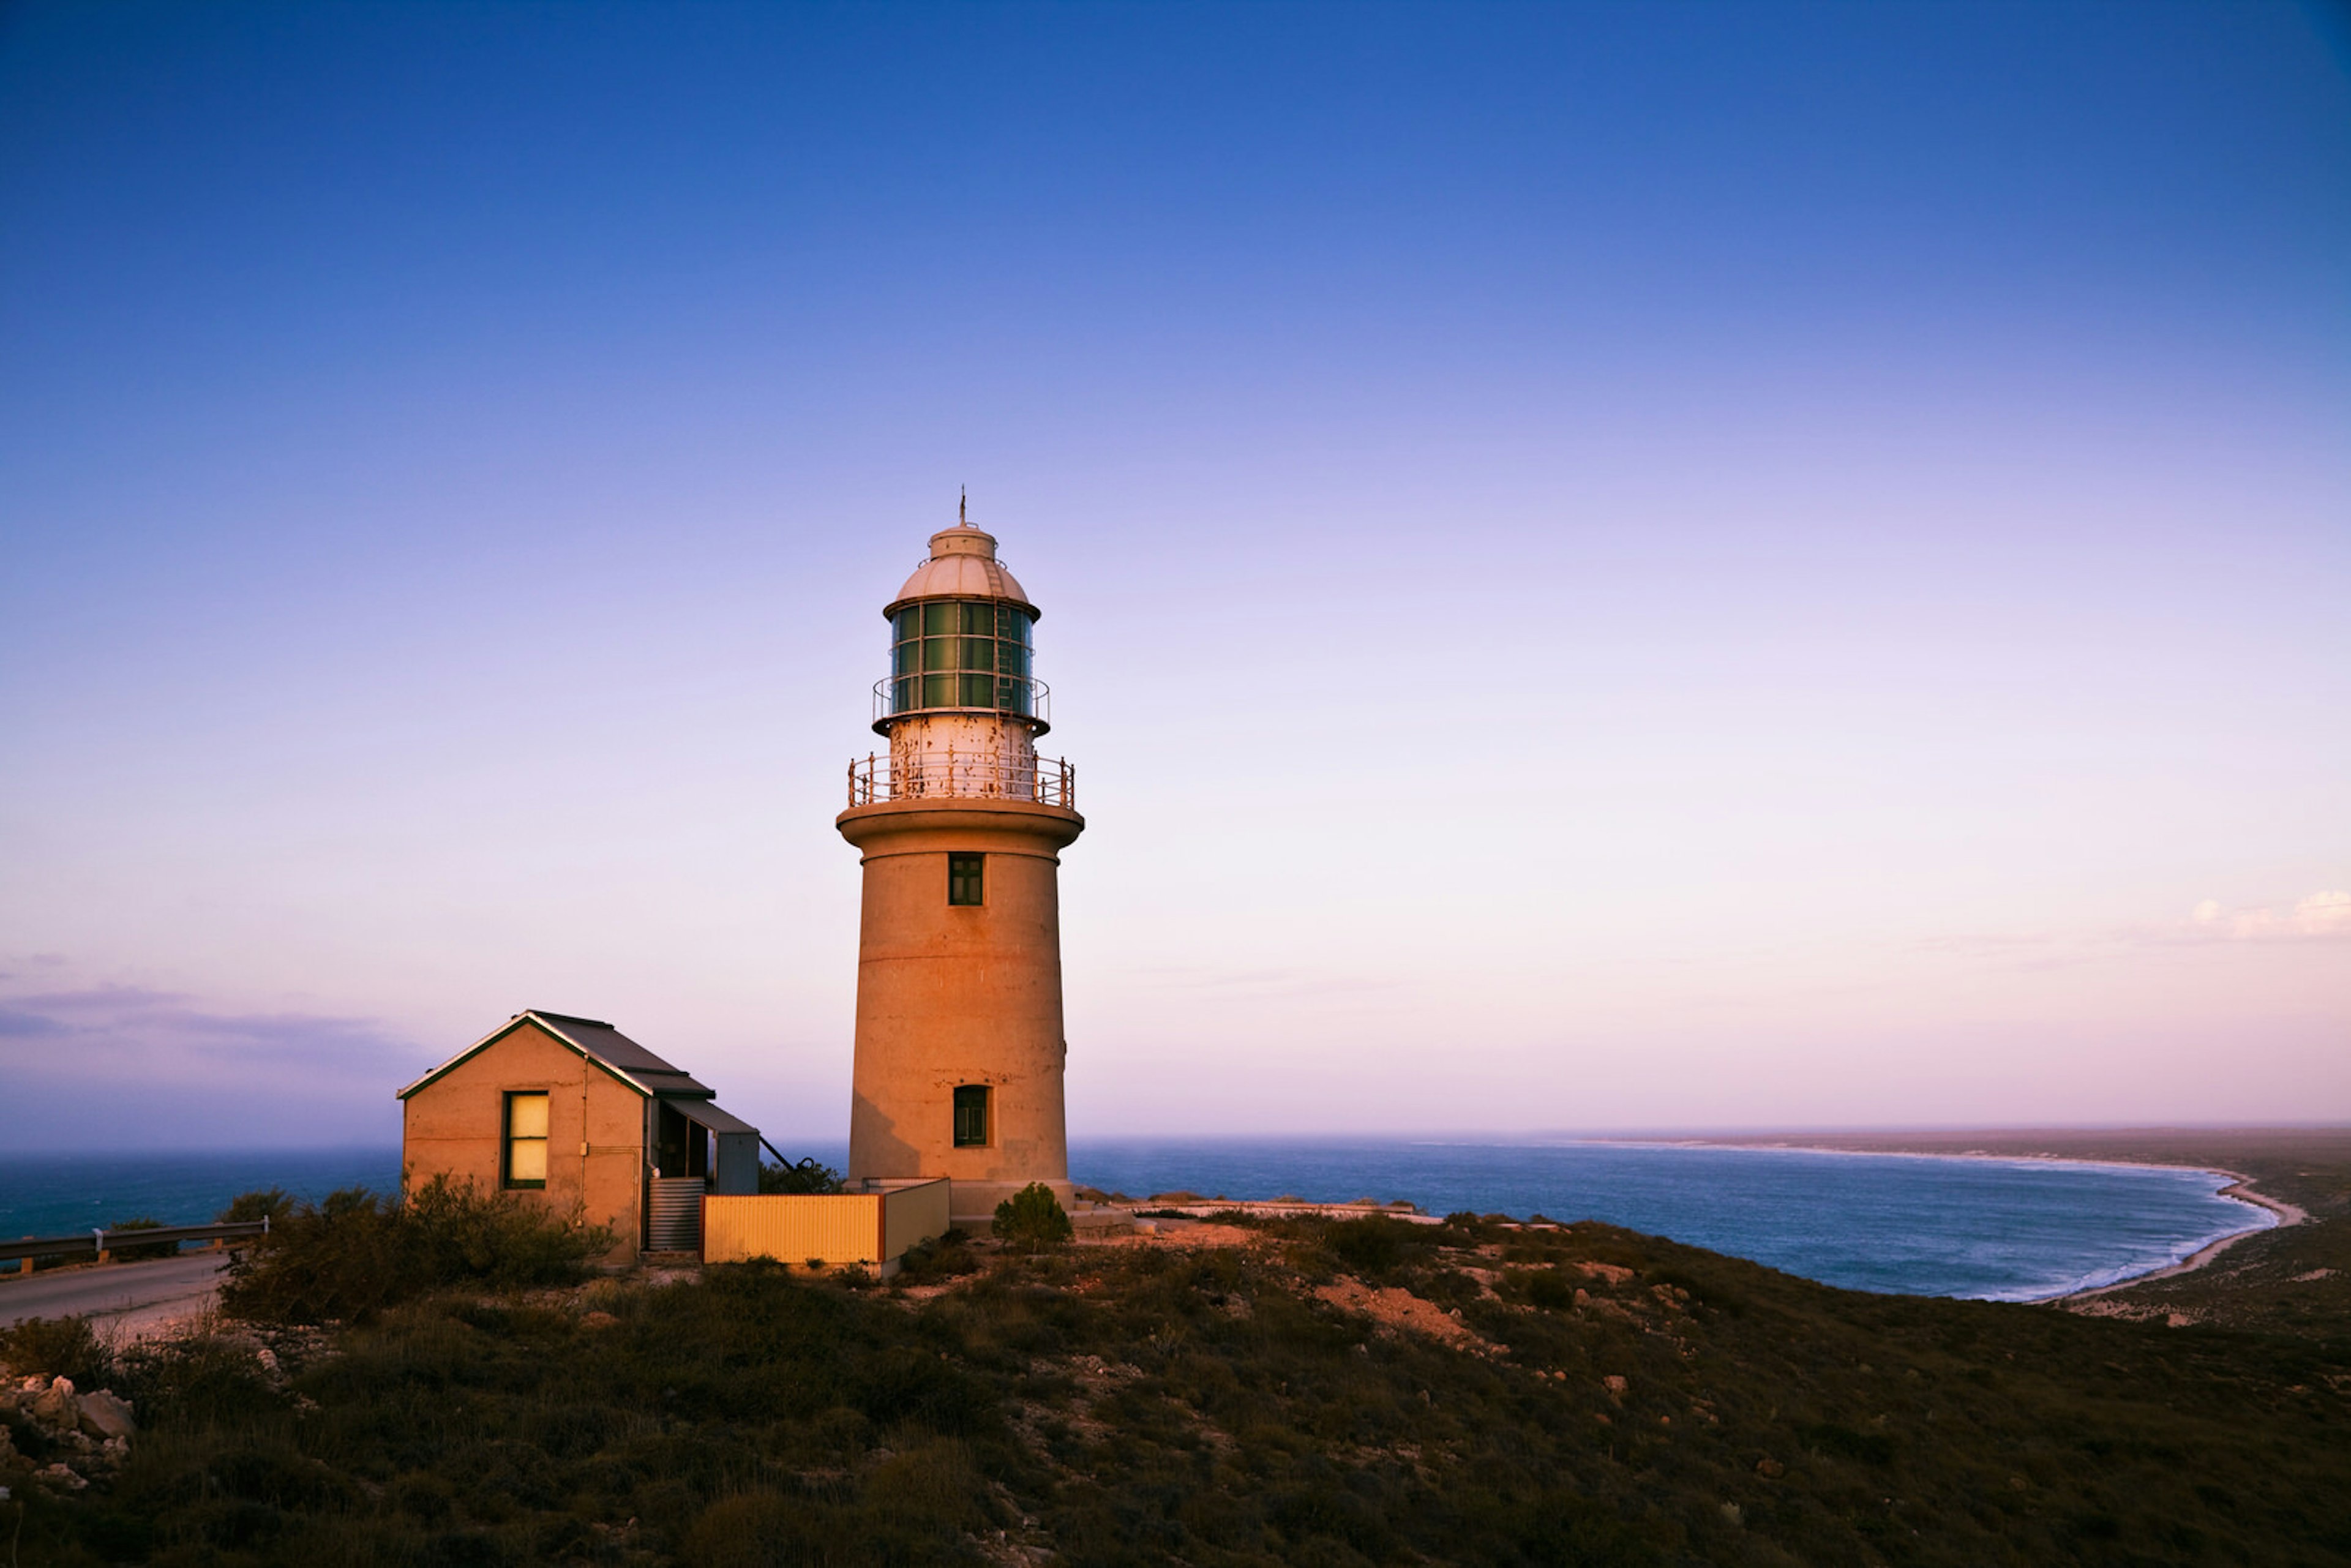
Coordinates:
<point>827,1229</point>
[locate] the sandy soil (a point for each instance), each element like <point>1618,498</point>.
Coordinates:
<point>1396,1308</point>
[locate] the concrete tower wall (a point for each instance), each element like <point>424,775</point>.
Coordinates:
<point>960,996</point>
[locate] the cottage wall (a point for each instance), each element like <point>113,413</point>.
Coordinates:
<point>596,1130</point>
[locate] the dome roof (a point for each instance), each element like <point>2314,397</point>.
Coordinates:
<point>963,565</point>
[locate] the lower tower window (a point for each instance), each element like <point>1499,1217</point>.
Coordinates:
<point>971,1115</point>
<point>962,882</point>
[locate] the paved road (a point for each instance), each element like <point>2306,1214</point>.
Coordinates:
<point>130,1297</point>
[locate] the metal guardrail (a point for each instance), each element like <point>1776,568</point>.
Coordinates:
<point>97,1243</point>
<point>969,775</point>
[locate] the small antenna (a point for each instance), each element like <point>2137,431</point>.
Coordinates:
<point>963,501</point>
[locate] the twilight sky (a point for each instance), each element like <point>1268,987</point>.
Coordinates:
<point>1605,567</point>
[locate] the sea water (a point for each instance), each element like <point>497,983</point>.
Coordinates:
<point>1998,1229</point>
<point>2004,1230</point>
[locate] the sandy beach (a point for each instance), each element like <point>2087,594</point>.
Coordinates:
<point>2026,1146</point>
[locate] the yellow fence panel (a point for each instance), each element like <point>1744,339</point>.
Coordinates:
<point>828,1229</point>
<point>831,1228</point>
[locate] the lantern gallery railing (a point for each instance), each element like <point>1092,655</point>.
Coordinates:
<point>963,691</point>
<point>965,775</point>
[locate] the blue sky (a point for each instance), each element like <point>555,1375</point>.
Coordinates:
<point>1604,567</point>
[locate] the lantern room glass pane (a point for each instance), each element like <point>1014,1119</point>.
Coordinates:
<point>967,640</point>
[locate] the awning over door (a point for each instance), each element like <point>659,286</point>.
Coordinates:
<point>709,1113</point>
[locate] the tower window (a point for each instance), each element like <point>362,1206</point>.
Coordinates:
<point>526,1140</point>
<point>963,880</point>
<point>971,1116</point>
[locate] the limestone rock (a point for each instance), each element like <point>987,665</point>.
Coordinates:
<point>104,1415</point>
<point>59,1475</point>
<point>56,1405</point>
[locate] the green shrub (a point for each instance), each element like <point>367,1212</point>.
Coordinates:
<point>803,1175</point>
<point>274,1203</point>
<point>1033,1218</point>
<point>941,1258</point>
<point>1373,1244</point>
<point>1552,1288</point>
<point>136,1252</point>
<point>57,1347</point>
<point>359,1252</point>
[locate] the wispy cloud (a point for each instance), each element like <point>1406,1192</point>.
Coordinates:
<point>106,1032</point>
<point>2324,914</point>
<point>172,1070</point>
<point>1258,982</point>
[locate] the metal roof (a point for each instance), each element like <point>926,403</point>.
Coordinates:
<point>963,565</point>
<point>597,1041</point>
<point>709,1113</point>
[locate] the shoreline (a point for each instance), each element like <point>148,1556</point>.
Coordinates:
<point>2240,1189</point>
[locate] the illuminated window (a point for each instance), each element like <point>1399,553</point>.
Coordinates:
<point>963,879</point>
<point>971,1116</point>
<point>961,653</point>
<point>525,1137</point>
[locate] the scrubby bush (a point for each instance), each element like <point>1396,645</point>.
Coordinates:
<point>271,1203</point>
<point>135,1252</point>
<point>807,1175</point>
<point>1033,1218</point>
<point>1375,1244</point>
<point>359,1251</point>
<point>941,1258</point>
<point>57,1347</point>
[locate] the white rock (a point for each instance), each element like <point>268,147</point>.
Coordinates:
<point>104,1415</point>
<point>56,1407</point>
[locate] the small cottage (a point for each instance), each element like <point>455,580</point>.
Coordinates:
<point>576,1113</point>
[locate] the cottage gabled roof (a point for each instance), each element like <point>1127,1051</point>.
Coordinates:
<point>597,1041</point>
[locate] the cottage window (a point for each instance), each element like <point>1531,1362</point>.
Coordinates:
<point>963,879</point>
<point>971,1116</point>
<point>526,1140</point>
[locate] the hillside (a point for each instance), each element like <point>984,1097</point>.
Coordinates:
<point>1301,1391</point>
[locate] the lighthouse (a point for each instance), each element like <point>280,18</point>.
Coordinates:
<point>959,1051</point>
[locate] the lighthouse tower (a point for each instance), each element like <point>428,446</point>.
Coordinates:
<point>959,1043</point>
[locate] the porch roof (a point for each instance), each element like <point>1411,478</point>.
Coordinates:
<point>710,1115</point>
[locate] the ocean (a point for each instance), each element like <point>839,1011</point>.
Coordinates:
<point>1998,1230</point>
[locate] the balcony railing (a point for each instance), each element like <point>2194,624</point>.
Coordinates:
<point>961,775</point>
<point>1021,696</point>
